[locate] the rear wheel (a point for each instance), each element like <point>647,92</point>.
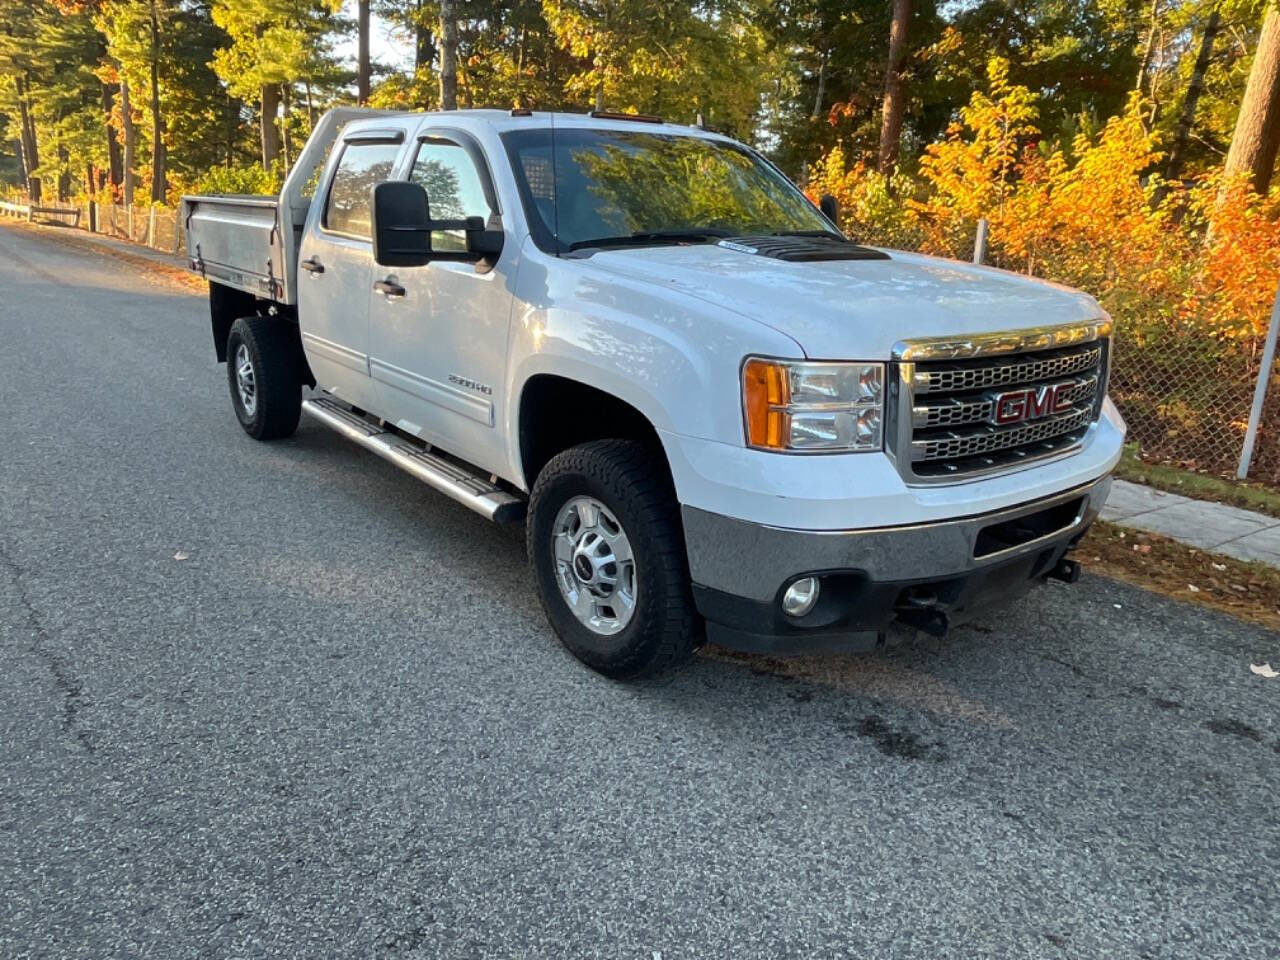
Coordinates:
<point>262,371</point>
<point>604,538</point>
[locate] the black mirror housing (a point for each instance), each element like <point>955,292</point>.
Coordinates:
<point>830,208</point>
<point>401,224</point>
<point>402,228</point>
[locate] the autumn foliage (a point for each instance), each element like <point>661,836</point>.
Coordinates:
<point>1206,256</point>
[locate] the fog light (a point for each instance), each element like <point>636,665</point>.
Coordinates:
<point>800,597</point>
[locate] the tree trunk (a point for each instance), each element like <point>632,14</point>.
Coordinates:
<point>362,60</point>
<point>20,150</point>
<point>91,187</point>
<point>270,135</point>
<point>1257,133</point>
<point>130,140</point>
<point>158,185</point>
<point>232,125</point>
<point>114,162</point>
<point>894,95</point>
<point>1149,51</point>
<point>286,140</point>
<point>30,145</point>
<point>64,175</point>
<point>1195,88</point>
<point>424,43</point>
<point>448,55</point>
<point>822,84</point>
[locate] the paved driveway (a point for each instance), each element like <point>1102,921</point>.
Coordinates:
<point>341,728</point>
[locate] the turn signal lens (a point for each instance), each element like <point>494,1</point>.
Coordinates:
<point>813,407</point>
<point>766,393</point>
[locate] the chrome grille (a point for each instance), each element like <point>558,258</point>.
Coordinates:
<point>954,377</point>
<point>956,411</point>
<point>948,410</point>
<point>970,444</point>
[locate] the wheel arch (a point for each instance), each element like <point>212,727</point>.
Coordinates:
<point>556,412</point>
<point>227,305</point>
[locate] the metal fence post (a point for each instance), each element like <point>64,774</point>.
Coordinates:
<point>980,242</point>
<point>1260,390</point>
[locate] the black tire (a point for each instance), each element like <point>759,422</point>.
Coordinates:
<point>271,344</point>
<point>624,477</point>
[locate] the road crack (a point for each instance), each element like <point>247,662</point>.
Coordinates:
<point>65,680</point>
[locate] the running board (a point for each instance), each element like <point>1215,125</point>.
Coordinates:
<point>470,490</point>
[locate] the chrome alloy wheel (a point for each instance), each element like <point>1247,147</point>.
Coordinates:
<point>594,565</point>
<point>245,384</point>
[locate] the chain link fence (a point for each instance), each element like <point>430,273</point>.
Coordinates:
<point>1187,395</point>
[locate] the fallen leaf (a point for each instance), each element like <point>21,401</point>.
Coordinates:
<point>181,555</point>
<point>1264,670</point>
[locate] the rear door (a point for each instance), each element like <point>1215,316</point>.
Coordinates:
<point>335,267</point>
<point>438,349</point>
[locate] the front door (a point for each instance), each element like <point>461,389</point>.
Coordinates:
<point>335,271</point>
<point>438,333</point>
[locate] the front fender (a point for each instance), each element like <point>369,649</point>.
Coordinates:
<point>675,359</point>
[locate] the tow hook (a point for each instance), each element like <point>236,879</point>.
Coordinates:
<point>1068,571</point>
<point>918,608</point>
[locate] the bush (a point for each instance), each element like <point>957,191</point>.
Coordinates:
<point>250,179</point>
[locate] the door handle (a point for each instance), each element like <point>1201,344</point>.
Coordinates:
<point>389,288</point>
<point>312,266</point>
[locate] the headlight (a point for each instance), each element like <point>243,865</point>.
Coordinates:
<point>813,407</point>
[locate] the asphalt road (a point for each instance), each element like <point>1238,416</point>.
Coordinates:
<point>341,728</point>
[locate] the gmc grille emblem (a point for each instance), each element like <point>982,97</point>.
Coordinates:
<point>1031,403</point>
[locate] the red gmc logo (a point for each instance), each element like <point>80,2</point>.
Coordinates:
<point>1032,403</point>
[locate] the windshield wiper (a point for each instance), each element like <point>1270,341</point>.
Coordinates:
<point>647,237</point>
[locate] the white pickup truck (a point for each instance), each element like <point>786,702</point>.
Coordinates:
<point>723,419</point>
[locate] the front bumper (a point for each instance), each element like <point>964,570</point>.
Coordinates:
<point>932,573</point>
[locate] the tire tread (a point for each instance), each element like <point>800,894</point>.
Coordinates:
<point>641,490</point>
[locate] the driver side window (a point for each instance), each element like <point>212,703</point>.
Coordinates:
<point>454,188</point>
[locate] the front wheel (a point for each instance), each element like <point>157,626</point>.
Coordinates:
<point>262,371</point>
<point>604,538</point>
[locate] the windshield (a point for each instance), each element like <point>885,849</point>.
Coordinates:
<point>617,187</point>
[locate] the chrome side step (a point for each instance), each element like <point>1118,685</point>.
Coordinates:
<point>470,490</point>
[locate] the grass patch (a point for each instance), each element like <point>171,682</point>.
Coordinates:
<point>1250,591</point>
<point>1198,486</point>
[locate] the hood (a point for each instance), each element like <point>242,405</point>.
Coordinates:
<point>854,309</point>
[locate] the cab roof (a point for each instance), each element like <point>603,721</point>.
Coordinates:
<point>504,120</point>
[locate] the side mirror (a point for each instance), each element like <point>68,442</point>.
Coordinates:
<point>830,208</point>
<point>401,224</point>
<point>402,228</point>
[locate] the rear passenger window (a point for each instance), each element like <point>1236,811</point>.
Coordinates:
<point>362,165</point>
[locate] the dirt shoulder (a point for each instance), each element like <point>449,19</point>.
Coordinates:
<point>1249,591</point>
<point>168,267</point>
